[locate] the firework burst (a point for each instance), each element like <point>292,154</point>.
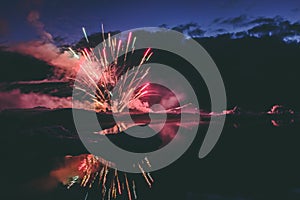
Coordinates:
<point>111,86</point>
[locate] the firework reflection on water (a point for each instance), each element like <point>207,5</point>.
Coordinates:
<point>90,171</point>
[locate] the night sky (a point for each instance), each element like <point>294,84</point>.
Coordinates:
<point>65,18</point>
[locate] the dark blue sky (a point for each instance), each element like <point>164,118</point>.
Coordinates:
<point>66,17</point>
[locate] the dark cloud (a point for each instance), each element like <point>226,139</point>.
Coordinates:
<point>192,29</point>
<point>235,21</point>
<point>220,30</point>
<point>244,20</point>
<point>217,20</point>
<point>259,27</point>
<point>163,26</point>
<point>196,32</point>
<point>185,27</point>
<point>262,20</point>
<point>275,27</point>
<point>266,20</point>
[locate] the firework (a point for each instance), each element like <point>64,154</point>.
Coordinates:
<point>115,87</point>
<point>111,86</point>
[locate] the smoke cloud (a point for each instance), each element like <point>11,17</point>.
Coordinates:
<point>16,99</point>
<point>34,19</point>
<point>64,63</point>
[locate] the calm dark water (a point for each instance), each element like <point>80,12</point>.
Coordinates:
<point>253,159</point>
